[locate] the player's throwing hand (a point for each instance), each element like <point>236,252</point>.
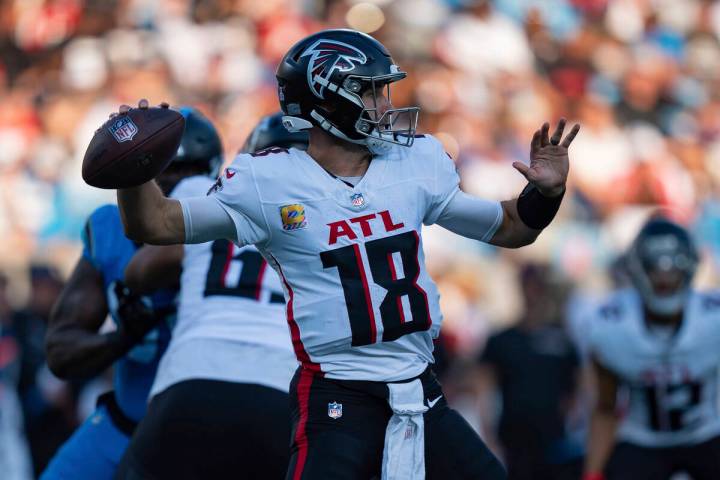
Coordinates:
<point>549,164</point>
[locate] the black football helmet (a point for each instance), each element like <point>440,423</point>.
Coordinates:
<point>200,145</point>
<point>322,81</point>
<point>199,153</point>
<point>661,263</point>
<point>270,132</point>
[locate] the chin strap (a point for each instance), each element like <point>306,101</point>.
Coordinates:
<point>295,124</point>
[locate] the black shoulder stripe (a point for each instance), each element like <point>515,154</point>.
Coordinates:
<point>267,151</point>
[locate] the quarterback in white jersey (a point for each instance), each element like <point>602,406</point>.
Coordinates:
<point>658,344</point>
<point>361,305</point>
<point>341,225</point>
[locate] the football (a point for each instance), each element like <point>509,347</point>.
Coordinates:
<point>132,148</point>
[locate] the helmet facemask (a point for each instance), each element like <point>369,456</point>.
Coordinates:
<point>662,268</point>
<point>378,131</point>
<point>391,126</point>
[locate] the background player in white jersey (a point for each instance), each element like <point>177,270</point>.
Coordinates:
<point>659,344</point>
<point>220,395</point>
<point>341,225</point>
<point>77,347</point>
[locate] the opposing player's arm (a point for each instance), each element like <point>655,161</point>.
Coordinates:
<point>73,345</point>
<point>153,267</point>
<point>603,420</point>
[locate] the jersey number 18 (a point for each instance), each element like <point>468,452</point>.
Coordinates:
<point>349,263</point>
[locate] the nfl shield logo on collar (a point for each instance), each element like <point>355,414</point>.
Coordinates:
<point>123,129</point>
<point>357,200</point>
<point>334,410</point>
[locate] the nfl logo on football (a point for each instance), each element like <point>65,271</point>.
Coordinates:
<point>357,200</point>
<point>334,410</point>
<point>123,129</point>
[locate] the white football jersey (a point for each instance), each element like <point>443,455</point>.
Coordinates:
<point>360,302</point>
<point>671,381</point>
<point>231,317</point>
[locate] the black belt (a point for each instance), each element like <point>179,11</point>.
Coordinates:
<point>119,419</point>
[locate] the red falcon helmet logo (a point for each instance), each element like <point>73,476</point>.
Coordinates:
<point>327,56</point>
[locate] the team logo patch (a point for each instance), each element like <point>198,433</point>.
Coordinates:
<point>123,129</point>
<point>334,410</point>
<point>293,217</point>
<point>357,200</point>
<point>326,57</point>
<point>230,172</point>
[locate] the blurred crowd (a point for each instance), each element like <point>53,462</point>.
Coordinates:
<point>641,76</point>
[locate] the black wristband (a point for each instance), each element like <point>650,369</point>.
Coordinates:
<point>535,209</point>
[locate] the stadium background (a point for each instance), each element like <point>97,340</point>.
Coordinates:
<point>641,76</point>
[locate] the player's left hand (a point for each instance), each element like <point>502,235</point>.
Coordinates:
<point>549,163</point>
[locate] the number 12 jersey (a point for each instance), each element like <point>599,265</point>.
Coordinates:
<point>670,379</point>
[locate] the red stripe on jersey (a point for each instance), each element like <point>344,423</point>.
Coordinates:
<point>415,284</point>
<point>366,290</point>
<point>393,275</point>
<point>301,440</point>
<point>298,346</point>
<point>228,261</point>
<point>261,275</point>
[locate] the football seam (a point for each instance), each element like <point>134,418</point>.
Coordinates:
<point>100,170</point>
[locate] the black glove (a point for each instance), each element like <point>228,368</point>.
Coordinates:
<point>135,318</point>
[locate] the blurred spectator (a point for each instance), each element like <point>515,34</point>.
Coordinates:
<point>48,403</point>
<point>535,368</point>
<point>15,463</point>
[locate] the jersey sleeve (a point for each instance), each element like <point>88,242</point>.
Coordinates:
<point>445,181</point>
<point>237,193</point>
<point>600,330</point>
<point>194,186</point>
<point>453,209</point>
<point>471,217</point>
<point>97,235</point>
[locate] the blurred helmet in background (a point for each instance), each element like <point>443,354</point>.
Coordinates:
<point>200,151</point>
<point>200,145</point>
<point>270,132</point>
<point>322,81</point>
<point>662,262</point>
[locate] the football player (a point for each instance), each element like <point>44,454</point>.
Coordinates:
<point>77,348</point>
<point>221,391</point>
<point>341,225</point>
<point>657,342</point>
